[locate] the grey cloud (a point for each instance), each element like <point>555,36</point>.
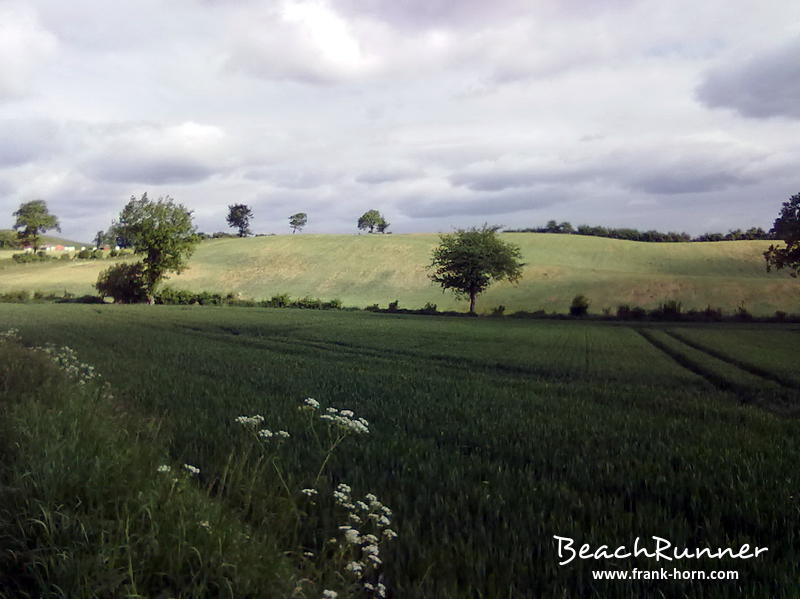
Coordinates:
<point>292,178</point>
<point>23,141</point>
<point>150,169</point>
<point>766,85</point>
<point>376,177</point>
<point>433,13</point>
<point>488,178</point>
<point>681,181</point>
<point>488,204</point>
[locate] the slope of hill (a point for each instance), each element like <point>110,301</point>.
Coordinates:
<point>366,269</point>
<point>49,239</point>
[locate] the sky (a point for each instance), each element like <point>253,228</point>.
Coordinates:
<point>441,114</point>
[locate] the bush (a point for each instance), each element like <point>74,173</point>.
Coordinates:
<point>334,304</point>
<point>279,300</point>
<point>84,255</point>
<point>579,306</point>
<point>29,257</point>
<point>123,282</point>
<point>113,253</point>
<point>65,256</point>
<point>780,315</point>
<point>668,310</point>
<point>308,303</point>
<point>15,297</point>
<point>743,314</point>
<point>393,306</point>
<point>373,308</point>
<point>430,308</point>
<point>498,310</point>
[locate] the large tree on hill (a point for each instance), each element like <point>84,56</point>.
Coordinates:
<point>371,220</point>
<point>161,232</point>
<point>33,219</point>
<point>239,216</point>
<point>786,228</point>
<point>468,261</point>
<point>298,221</point>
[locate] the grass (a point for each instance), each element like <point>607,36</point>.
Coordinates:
<point>487,437</point>
<point>366,269</point>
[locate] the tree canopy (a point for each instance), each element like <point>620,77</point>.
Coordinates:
<point>468,261</point>
<point>162,232</point>
<point>33,219</point>
<point>371,220</point>
<point>298,221</point>
<point>239,216</point>
<point>787,228</point>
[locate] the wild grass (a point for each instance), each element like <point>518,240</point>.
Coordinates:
<point>487,437</point>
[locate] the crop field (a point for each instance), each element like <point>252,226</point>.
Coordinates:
<point>487,436</point>
<point>362,270</point>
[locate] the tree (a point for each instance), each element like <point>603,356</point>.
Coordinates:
<point>160,231</point>
<point>298,221</point>
<point>100,239</point>
<point>8,239</point>
<point>239,216</point>
<point>371,220</point>
<point>468,261</point>
<point>786,228</point>
<point>123,282</point>
<point>33,218</point>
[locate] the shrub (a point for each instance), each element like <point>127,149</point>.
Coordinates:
<point>742,313</point>
<point>65,256</point>
<point>15,297</point>
<point>430,308</point>
<point>113,253</point>
<point>498,310</point>
<point>393,306</point>
<point>780,315</point>
<point>668,310</point>
<point>171,296</point>
<point>373,308</point>
<point>84,255</point>
<point>308,303</point>
<point>123,282</point>
<point>280,300</point>
<point>579,306</point>
<point>334,304</point>
<point>29,257</point>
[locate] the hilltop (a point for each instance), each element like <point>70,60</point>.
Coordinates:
<point>366,269</point>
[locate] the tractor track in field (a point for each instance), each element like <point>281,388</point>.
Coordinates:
<point>717,381</point>
<point>782,399</point>
<point>754,370</point>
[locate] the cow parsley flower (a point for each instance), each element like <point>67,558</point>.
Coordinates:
<point>194,471</point>
<point>163,468</point>
<point>310,492</point>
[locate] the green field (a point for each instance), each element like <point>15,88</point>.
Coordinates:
<point>367,269</point>
<point>490,436</point>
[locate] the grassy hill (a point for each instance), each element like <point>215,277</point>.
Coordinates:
<point>366,269</point>
<point>49,239</point>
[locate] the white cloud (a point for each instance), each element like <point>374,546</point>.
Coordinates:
<point>24,47</point>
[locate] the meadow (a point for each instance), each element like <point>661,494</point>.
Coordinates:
<point>362,270</point>
<point>487,436</point>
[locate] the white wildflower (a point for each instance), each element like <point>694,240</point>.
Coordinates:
<point>355,518</point>
<point>370,550</point>
<point>328,594</point>
<point>389,533</point>
<point>355,567</point>
<point>310,492</point>
<point>347,413</point>
<point>265,433</point>
<point>352,536</point>
<point>311,403</point>
<point>251,421</point>
<point>283,434</point>
<point>381,590</point>
<point>164,468</point>
<point>194,471</point>
<point>205,524</point>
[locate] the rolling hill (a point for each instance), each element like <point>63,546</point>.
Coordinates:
<point>367,269</point>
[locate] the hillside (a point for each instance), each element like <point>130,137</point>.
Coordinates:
<point>366,269</point>
<point>45,239</point>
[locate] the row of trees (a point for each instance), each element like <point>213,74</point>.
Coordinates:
<point>566,228</point>
<point>239,216</point>
<point>466,262</point>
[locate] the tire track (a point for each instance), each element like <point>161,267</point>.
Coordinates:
<point>754,370</point>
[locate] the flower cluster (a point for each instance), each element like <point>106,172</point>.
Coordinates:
<point>67,360</point>
<point>257,420</point>
<point>365,546</point>
<point>346,420</point>
<point>9,335</point>
<point>250,421</point>
<point>194,471</point>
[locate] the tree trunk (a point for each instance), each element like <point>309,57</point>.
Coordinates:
<point>472,303</point>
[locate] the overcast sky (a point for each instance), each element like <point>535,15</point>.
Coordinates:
<point>680,115</point>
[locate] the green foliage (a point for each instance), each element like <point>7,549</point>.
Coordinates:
<point>786,228</point>
<point>239,216</point>
<point>30,257</point>
<point>8,240</point>
<point>124,282</point>
<point>162,233</point>
<point>298,221</point>
<point>489,436</point>
<point>579,306</point>
<point>468,261</point>
<point>33,219</point>
<point>371,220</point>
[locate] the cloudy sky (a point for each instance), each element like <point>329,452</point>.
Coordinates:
<point>677,115</point>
